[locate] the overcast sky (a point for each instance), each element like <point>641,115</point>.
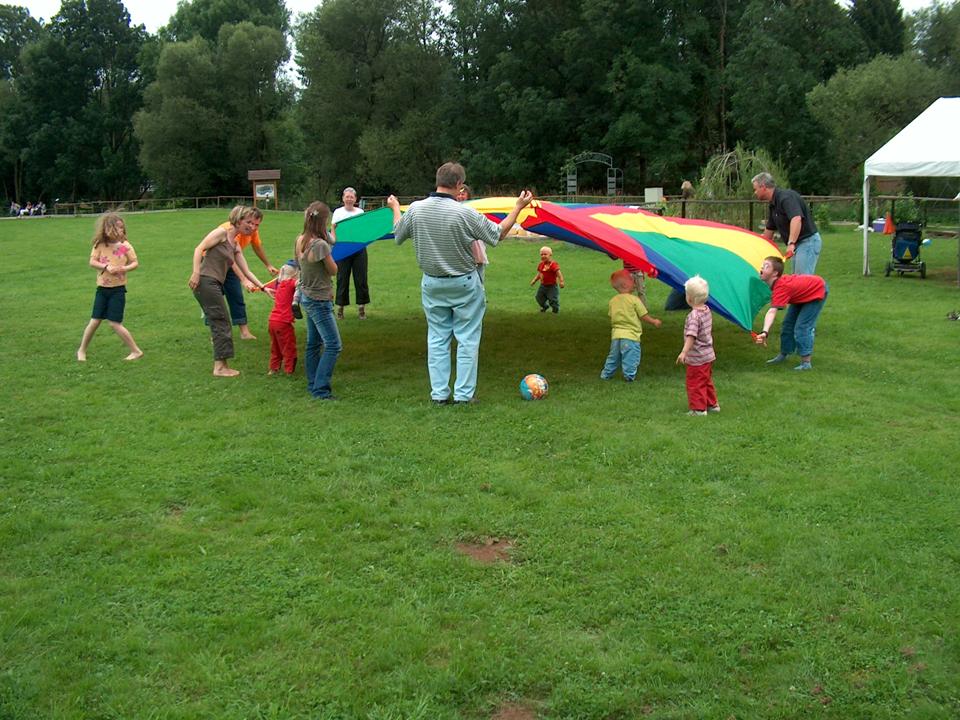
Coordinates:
<point>154,13</point>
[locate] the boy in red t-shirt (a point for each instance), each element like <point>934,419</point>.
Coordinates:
<point>549,275</point>
<point>803,296</point>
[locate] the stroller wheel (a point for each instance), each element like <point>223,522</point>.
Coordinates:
<point>923,270</point>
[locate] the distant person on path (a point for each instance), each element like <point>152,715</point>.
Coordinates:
<point>803,296</point>
<point>232,287</point>
<point>355,264</point>
<point>213,258</point>
<point>549,277</point>
<point>627,315</point>
<point>317,270</point>
<point>697,353</point>
<point>454,301</point>
<point>113,257</point>
<point>790,216</point>
<point>479,249</point>
<point>686,190</point>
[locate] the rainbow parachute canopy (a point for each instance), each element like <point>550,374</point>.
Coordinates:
<point>669,249</point>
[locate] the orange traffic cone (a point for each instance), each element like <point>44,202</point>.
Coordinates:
<point>888,228</point>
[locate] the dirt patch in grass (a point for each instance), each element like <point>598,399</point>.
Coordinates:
<point>487,550</point>
<point>515,711</point>
<point>818,692</point>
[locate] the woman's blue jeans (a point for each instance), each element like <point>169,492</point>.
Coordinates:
<point>323,345</point>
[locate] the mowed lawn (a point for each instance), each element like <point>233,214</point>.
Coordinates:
<point>176,545</point>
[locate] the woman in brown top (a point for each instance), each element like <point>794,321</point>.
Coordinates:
<point>217,253</point>
<point>317,267</point>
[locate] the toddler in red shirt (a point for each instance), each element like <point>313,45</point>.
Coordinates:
<point>283,338</point>
<point>549,275</point>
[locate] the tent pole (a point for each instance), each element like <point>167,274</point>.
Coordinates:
<point>866,223</point>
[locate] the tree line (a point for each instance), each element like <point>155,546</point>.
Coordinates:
<point>383,91</point>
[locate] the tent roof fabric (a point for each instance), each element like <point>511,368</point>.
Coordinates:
<point>927,147</point>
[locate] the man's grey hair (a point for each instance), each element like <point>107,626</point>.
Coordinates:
<point>764,179</point>
<point>450,175</point>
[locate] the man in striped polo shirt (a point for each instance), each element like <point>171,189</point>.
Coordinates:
<point>452,293</point>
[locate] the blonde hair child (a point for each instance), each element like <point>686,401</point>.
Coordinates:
<point>283,338</point>
<point>549,277</point>
<point>697,353</point>
<point>113,256</point>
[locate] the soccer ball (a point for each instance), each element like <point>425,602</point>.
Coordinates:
<point>534,387</point>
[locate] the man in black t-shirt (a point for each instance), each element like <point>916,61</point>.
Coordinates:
<point>790,216</point>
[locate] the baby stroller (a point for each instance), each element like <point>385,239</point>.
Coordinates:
<point>906,251</point>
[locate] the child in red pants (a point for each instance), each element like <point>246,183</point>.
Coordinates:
<point>283,338</point>
<point>697,353</point>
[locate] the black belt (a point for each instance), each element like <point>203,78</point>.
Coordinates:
<point>447,277</point>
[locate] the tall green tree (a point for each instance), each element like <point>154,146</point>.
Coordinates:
<point>881,25</point>
<point>936,37</point>
<point>181,125</point>
<point>376,100</point>
<point>859,119</point>
<point>644,83</point>
<point>216,111</point>
<point>548,88</point>
<point>782,51</point>
<point>79,88</point>
<point>204,18</point>
<point>477,32</point>
<point>410,127</point>
<point>666,86</point>
<point>17,28</point>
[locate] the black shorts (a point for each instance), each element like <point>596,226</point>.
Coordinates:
<point>109,303</point>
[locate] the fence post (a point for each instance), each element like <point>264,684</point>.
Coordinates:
<point>683,208</point>
<point>750,215</point>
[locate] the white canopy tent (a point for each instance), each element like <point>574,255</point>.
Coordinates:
<point>927,147</point>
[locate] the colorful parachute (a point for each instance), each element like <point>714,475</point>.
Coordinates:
<point>670,249</point>
<point>355,233</point>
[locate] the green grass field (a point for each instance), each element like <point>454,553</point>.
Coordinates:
<point>180,546</point>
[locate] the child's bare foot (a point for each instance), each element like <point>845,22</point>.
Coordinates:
<point>134,355</point>
<point>81,356</point>
<point>225,372</point>
<point>271,372</point>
